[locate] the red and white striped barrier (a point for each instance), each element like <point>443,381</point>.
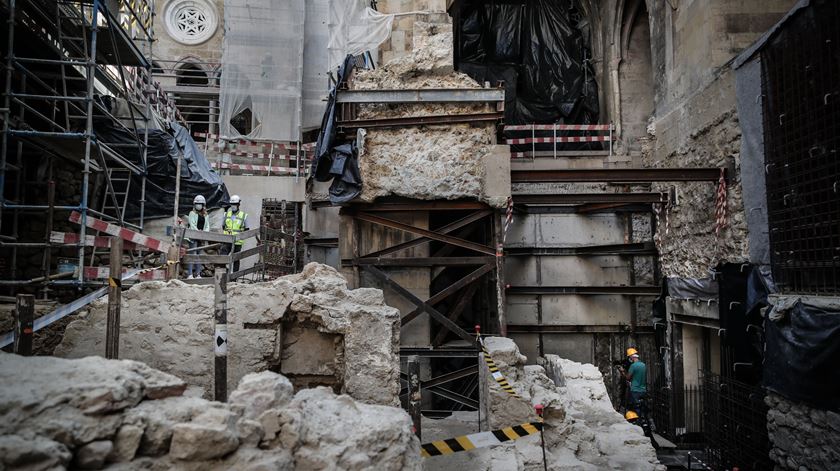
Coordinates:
<point>263,144</point>
<point>255,168</point>
<point>121,232</point>
<point>559,127</point>
<point>69,238</point>
<point>102,273</point>
<point>552,140</point>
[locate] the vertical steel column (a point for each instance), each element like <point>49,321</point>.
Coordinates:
<point>24,314</point>
<point>112,332</point>
<point>220,334</point>
<point>415,394</point>
<point>4,145</point>
<point>498,237</point>
<point>91,79</point>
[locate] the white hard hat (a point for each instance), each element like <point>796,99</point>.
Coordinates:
<point>199,200</point>
<point>235,199</point>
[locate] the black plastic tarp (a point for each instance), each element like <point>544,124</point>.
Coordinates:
<point>539,48</point>
<point>164,150</point>
<point>803,351</point>
<point>333,160</point>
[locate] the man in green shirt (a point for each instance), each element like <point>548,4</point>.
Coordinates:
<point>637,375</point>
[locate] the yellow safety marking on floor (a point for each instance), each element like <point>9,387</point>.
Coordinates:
<point>479,440</point>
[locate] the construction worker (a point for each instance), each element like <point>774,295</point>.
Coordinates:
<point>198,221</point>
<point>637,376</point>
<point>236,221</point>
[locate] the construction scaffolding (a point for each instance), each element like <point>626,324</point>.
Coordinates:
<point>74,69</point>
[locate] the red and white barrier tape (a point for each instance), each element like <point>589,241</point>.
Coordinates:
<point>559,127</point>
<point>255,168</point>
<point>121,232</point>
<point>508,218</point>
<point>721,219</point>
<point>147,274</point>
<point>69,238</point>
<point>552,140</point>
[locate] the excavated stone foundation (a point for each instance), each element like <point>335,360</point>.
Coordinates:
<point>308,326</point>
<point>432,161</point>
<point>94,413</point>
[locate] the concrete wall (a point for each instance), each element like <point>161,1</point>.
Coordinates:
<point>802,437</point>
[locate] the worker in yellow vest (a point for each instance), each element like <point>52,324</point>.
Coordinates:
<point>236,221</point>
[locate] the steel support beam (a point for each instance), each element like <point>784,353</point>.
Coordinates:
<point>640,248</point>
<point>616,175</point>
<point>586,290</point>
<point>417,261</point>
<point>577,328</point>
<point>450,290</point>
<point>419,120</point>
<point>465,221</point>
<point>453,396</point>
<point>589,198</point>
<point>448,352</point>
<point>421,305</point>
<point>424,232</point>
<point>422,95</point>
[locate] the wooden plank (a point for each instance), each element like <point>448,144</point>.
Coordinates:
<point>247,253</point>
<point>112,324</point>
<point>71,238</point>
<point>24,317</point>
<point>193,234</point>
<point>247,234</point>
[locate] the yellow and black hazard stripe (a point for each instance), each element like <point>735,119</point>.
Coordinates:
<point>479,440</point>
<point>497,375</point>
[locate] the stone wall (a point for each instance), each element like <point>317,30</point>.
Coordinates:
<point>169,49</point>
<point>801,437</point>
<point>94,413</point>
<point>308,326</point>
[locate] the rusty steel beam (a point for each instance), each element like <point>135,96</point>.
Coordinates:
<point>417,261</point>
<point>465,221</point>
<point>576,328</point>
<point>616,175</point>
<point>456,311</point>
<point>425,232</point>
<point>423,306</point>
<point>449,291</point>
<point>637,248</point>
<point>420,120</point>
<point>586,290</point>
<point>591,198</point>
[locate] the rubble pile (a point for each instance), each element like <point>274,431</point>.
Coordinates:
<point>308,326</point>
<point>94,413</point>
<point>444,161</point>
<point>582,430</point>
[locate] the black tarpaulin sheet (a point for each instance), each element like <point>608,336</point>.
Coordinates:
<point>803,351</point>
<point>164,150</point>
<point>334,161</point>
<point>540,49</point>
<point>741,328</point>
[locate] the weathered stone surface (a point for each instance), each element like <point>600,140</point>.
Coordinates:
<point>211,434</point>
<point>93,455</point>
<point>801,436</point>
<point>126,443</point>
<point>425,162</point>
<point>258,392</point>
<point>170,326</point>
<point>316,429</point>
<point>583,431</point>
<point>32,453</point>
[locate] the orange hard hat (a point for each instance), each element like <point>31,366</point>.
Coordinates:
<point>631,415</point>
<point>632,351</point>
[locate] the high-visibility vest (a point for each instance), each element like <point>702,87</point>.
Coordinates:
<point>234,224</point>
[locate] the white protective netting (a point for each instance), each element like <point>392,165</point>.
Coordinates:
<point>355,28</point>
<point>262,68</point>
<point>316,85</point>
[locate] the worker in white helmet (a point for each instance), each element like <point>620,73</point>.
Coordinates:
<point>198,221</point>
<point>236,221</point>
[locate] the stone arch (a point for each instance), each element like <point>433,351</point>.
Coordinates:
<point>635,73</point>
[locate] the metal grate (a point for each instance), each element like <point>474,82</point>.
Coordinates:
<point>735,424</point>
<point>282,237</point>
<point>801,87</point>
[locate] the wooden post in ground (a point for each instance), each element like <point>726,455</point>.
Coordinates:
<point>24,315</point>
<point>112,326</point>
<point>414,392</point>
<point>172,262</point>
<point>220,334</point>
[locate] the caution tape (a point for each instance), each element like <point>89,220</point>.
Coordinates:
<point>494,371</point>
<point>479,440</point>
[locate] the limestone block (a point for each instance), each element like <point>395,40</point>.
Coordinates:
<point>35,453</point>
<point>258,392</point>
<point>93,455</point>
<point>126,443</point>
